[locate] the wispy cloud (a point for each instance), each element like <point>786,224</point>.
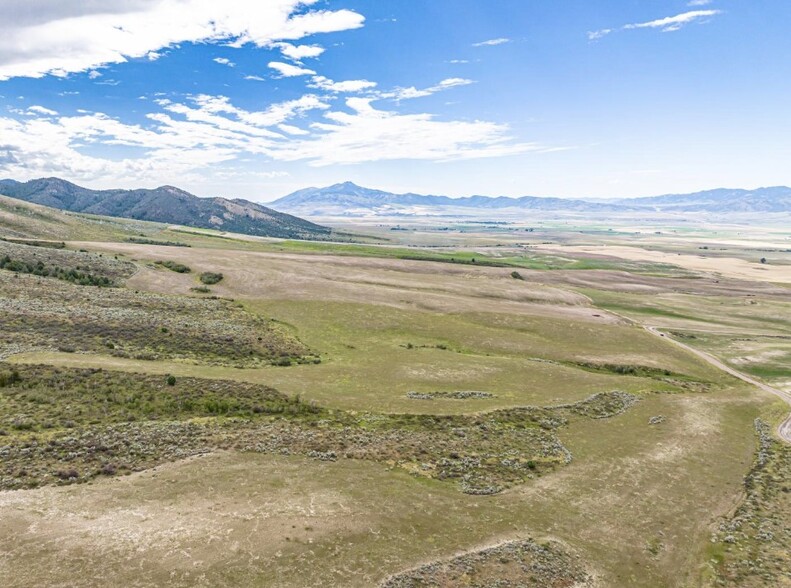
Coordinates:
<point>699,2</point>
<point>365,133</point>
<point>491,42</point>
<point>329,85</point>
<point>33,110</point>
<point>52,39</point>
<point>412,92</point>
<point>288,70</point>
<point>187,136</point>
<point>666,25</point>
<point>224,61</point>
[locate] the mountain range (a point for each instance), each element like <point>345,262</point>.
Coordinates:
<point>349,199</point>
<point>166,204</point>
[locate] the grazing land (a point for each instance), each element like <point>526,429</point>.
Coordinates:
<point>403,414</point>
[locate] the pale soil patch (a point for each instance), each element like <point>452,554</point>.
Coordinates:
<point>428,286</point>
<point>761,357</point>
<point>731,267</point>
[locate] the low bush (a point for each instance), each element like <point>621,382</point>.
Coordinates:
<point>175,266</point>
<point>144,241</point>
<point>211,278</point>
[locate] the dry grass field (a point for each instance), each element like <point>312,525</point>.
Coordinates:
<point>391,420</point>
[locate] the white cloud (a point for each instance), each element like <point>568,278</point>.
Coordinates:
<point>288,70</point>
<point>367,134</point>
<point>412,92</point>
<point>255,78</point>
<point>59,38</point>
<point>593,35</point>
<point>492,42</point>
<point>699,2</point>
<point>453,82</point>
<point>93,74</point>
<point>346,86</point>
<point>203,131</point>
<point>299,52</point>
<point>41,110</point>
<point>666,25</point>
<point>224,61</point>
<point>459,61</point>
<point>292,130</point>
<point>673,23</point>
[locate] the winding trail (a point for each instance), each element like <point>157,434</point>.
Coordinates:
<point>784,429</point>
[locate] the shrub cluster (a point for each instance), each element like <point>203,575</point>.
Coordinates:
<point>174,266</point>
<point>211,278</point>
<point>39,268</point>
<point>144,241</point>
<point>42,313</point>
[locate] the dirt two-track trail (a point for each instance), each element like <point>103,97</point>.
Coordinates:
<point>784,429</point>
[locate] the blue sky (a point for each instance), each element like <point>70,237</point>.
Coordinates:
<point>255,99</point>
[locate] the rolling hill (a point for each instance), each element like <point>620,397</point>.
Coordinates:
<point>166,204</point>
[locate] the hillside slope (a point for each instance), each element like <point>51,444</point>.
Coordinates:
<point>166,204</point>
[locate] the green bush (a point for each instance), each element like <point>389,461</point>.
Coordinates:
<point>9,378</point>
<point>38,268</point>
<point>210,278</point>
<point>144,241</point>
<point>175,266</point>
<point>171,380</point>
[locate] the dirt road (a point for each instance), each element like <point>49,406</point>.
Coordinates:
<point>784,430</point>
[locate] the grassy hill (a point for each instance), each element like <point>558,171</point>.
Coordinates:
<point>168,205</point>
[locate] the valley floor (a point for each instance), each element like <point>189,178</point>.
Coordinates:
<point>331,416</point>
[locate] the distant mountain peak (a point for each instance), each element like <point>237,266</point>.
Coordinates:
<point>350,199</point>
